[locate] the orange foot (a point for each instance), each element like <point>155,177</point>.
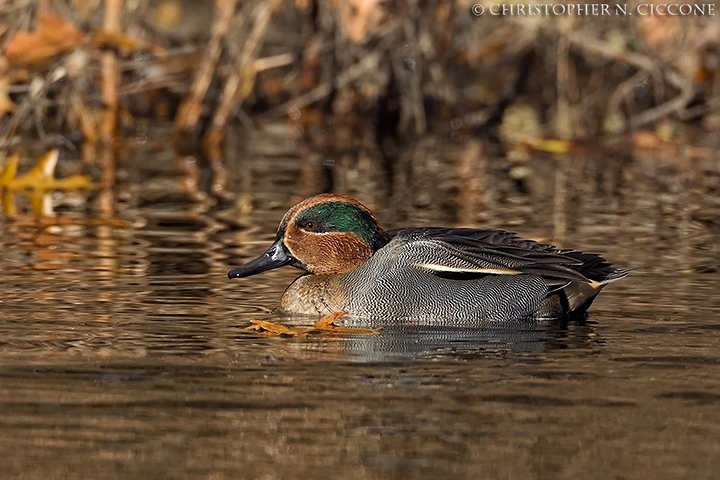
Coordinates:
<point>324,326</point>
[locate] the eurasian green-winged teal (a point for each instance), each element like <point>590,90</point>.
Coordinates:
<point>453,275</point>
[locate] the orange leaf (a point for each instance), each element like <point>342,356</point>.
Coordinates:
<point>324,326</point>
<point>360,17</point>
<point>274,329</point>
<point>327,325</point>
<point>124,44</point>
<point>551,146</point>
<point>327,320</point>
<point>57,30</point>
<point>27,49</point>
<point>53,36</point>
<point>8,172</point>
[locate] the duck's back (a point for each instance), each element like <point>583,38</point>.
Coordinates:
<point>470,276</point>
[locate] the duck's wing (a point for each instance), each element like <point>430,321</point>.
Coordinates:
<point>467,253</point>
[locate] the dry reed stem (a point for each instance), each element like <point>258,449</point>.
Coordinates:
<point>642,62</point>
<point>110,79</point>
<point>237,87</point>
<point>274,61</point>
<point>560,199</point>
<point>191,108</point>
<point>37,92</point>
<point>472,174</point>
<point>563,120</point>
<point>85,119</point>
<point>110,75</point>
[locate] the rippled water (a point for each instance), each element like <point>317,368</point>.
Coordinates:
<point>124,354</point>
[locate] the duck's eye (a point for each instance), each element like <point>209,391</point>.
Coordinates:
<point>310,225</point>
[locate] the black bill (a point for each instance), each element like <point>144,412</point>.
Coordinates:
<point>276,256</point>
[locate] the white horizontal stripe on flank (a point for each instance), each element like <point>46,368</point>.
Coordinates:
<point>489,271</point>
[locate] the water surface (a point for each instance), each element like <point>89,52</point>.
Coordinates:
<point>124,354</point>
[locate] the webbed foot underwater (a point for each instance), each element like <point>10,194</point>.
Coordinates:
<point>454,276</point>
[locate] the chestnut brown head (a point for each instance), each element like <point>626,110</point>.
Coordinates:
<point>325,234</point>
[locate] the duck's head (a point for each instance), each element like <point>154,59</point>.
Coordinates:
<point>323,235</point>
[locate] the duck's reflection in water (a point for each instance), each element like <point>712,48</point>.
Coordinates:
<point>397,342</point>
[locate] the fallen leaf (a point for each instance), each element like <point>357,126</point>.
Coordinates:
<point>327,320</point>
<point>551,145</point>
<point>42,177</point>
<point>360,17</point>
<point>53,36</point>
<point>323,326</point>
<point>659,33</point>
<point>9,171</point>
<point>662,147</point>
<point>55,29</point>
<point>123,44</point>
<point>37,183</point>
<point>8,203</point>
<point>272,328</point>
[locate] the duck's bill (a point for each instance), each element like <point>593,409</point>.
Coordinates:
<point>276,256</point>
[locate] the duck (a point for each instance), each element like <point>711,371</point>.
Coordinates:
<point>423,275</point>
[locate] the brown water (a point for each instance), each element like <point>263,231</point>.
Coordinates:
<point>123,352</point>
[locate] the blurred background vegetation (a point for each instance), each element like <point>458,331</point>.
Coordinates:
<point>349,76</point>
